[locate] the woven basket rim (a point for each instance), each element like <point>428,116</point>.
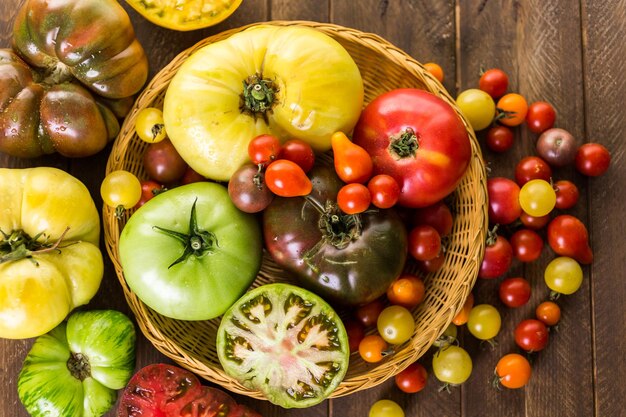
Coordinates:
<point>410,351</point>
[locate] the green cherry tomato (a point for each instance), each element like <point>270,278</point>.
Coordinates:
<point>120,188</point>
<point>452,365</point>
<point>149,125</point>
<point>537,197</point>
<point>478,107</point>
<point>386,408</point>
<point>395,324</point>
<point>563,275</point>
<point>484,322</point>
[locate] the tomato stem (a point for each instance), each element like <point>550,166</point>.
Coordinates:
<point>19,245</point>
<point>78,365</point>
<point>258,96</point>
<point>404,145</point>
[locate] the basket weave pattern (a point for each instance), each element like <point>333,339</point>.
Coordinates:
<point>383,68</point>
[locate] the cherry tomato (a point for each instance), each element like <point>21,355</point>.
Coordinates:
<point>497,259</point>
<point>356,333</point>
<point>191,176</point>
<point>412,379</point>
<point>432,265</point>
<point>494,82</point>
<point>452,365</point>
<point>484,322</point>
<point>563,275</point>
<point>247,189</point>
<point>264,149</point>
<point>149,189</point>
<point>567,194</point>
<point>462,316</point>
<point>513,371</point>
<point>286,179</point>
<point>352,162</point>
<point>424,242</point>
<point>435,70</point>
<point>504,207</point>
<point>567,236</point>
<point>540,116</point>
<point>437,215</point>
<point>531,335</point>
<point>373,348</point>
<point>353,198</point>
<point>149,125</point>
<point>406,291</point>
<point>592,159</point>
<point>395,324</point>
<point>298,151</point>
<point>478,107</point>
<point>499,139</point>
<point>162,162</point>
<point>386,408</point>
<point>368,313</point>
<point>549,313</point>
<point>384,190</point>
<point>537,198</point>
<point>532,168</point>
<point>514,292</point>
<point>512,109</point>
<point>121,190</point>
<point>447,337</point>
<point>527,245</point>
<point>534,223</point>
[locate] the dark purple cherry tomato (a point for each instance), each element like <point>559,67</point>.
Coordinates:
<point>162,162</point>
<point>248,191</point>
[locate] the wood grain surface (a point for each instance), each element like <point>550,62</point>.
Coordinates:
<point>570,53</point>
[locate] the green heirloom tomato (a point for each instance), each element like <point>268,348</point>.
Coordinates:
<point>189,253</point>
<point>76,369</point>
<point>286,342</point>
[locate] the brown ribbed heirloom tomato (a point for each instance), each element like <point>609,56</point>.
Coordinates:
<point>74,66</point>
<point>348,259</point>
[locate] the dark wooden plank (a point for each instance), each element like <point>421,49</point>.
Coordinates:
<point>604,27</point>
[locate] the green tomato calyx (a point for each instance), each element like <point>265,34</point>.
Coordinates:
<point>19,245</point>
<point>404,145</point>
<point>78,365</point>
<point>258,96</point>
<point>196,242</point>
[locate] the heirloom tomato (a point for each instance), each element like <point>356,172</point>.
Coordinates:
<point>297,82</point>
<point>557,147</point>
<point>286,342</point>
<point>76,369</point>
<point>417,138</point>
<point>163,390</point>
<point>189,253</point>
<point>247,189</point>
<point>346,258</point>
<point>74,71</point>
<point>50,261</point>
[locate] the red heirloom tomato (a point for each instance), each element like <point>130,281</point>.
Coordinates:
<point>418,139</point>
<point>497,259</point>
<point>592,159</point>
<point>568,236</point>
<point>504,207</point>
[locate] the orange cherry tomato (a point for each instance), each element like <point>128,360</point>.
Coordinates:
<point>407,291</point>
<point>513,371</point>
<point>353,198</point>
<point>373,348</point>
<point>549,313</point>
<point>286,179</point>
<point>463,315</point>
<point>352,162</point>
<point>512,109</point>
<point>435,70</point>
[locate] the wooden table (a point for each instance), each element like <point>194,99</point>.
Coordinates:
<point>569,53</point>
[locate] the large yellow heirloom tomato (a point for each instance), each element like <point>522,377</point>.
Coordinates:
<point>291,81</point>
<point>50,260</point>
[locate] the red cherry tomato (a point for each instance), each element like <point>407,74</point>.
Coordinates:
<point>384,190</point>
<point>286,179</point>
<point>527,245</point>
<point>424,242</point>
<point>264,149</point>
<point>356,333</point>
<point>540,116</point>
<point>298,151</point>
<point>532,168</point>
<point>534,222</point>
<point>514,292</point>
<point>531,335</point>
<point>504,207</point>
<point>353,198</point>
<point>412,379</point>
<point>435,70</point>
<point>567,194</point>
<point>352,162</point>
<point>499,139</point>
<point>512,109</point>
<point>497,259</point>
<point>149,189</point>
<point>432,265</point>
<point>494,82</point>
<point>567,236</point>
<point>592,159</point>
<point>438,216</point>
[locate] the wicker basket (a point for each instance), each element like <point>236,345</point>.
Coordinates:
<point>383,67</point>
